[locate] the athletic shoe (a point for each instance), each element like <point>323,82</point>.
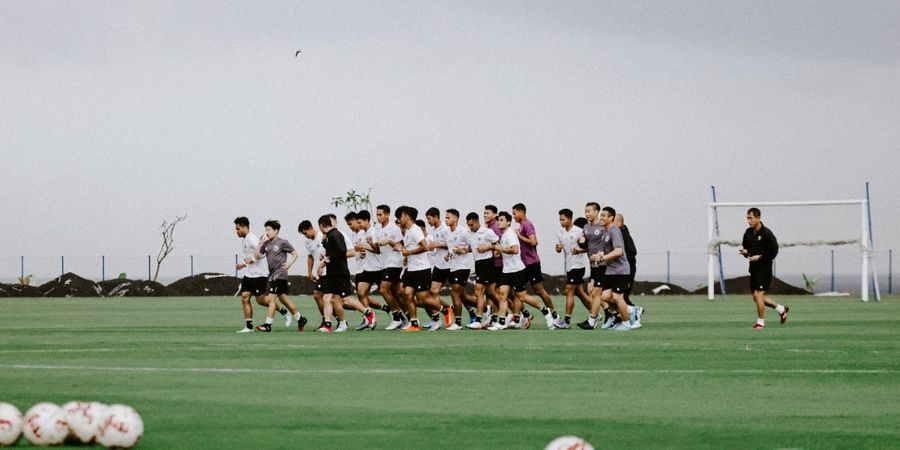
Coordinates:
<point>264,327</point>
<point>324,329</point>
<point>636,325</point>
<point>404,322</point>
<point>513,325</point>
<point>411,328</point>
<point>364,325</point>
<point>374,323</point>
<point>622,326</point>
<point>757,326</point>
<point>476,325</point>
<point>342,327</point>
<point>448,317</point>
<point>496,327</point>
<point>561,324</point>
<point>586,325</point>
<point>301,324</point>
<point>370,319</point>
<point>784,314</point>
<point>526,322</point>
<point>634,315</point>
<point>435,325</point>
<point>245,330</point>
<point>609,323</point>
<point>550,321</point>
<point>454,327</point>
<point>287,319</point>
<point>429,324</point>
<point>394,325</point>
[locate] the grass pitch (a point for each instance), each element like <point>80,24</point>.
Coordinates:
<point>696,376</point>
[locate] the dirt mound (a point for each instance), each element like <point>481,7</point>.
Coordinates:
<point>657,288</point>
<point>17,290</point>
<point>133,288</point>
<point>205,284</point>
<point>70,285</point>
<point>298,285</point>
<point>741,285</point>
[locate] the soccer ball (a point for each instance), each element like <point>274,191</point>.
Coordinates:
<point>45,424</point>
<point>83,419</point>
<point>569,443</point>
<point>120,427</point>
<point>10,424</point>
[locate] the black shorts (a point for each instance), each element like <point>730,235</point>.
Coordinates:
<point>485,272</point>
<point>617,283</point>
<point>419,280</point>
<point>391,274</point>
<point>515,280</point>
<point>533,273</point>
<point>459,277</point>
<point>369,277</point>
<point>255,286</point>
<point>761,278</point>
<point>439,275</point>
<point>320,283</point>
<point>575,277</point>
<point>278,287</point>
<point>340,286</point>
<point>597,273</point>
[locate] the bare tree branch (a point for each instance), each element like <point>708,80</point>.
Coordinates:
<point>167,229</point>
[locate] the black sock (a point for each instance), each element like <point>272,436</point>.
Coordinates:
<point>414,322</point>
<point>493,318</point>
<point>515,318</point>
<point>249,324</point>
<point>472,312</point>
<point>283,311</point>
<point>443,310</point>
<point>544,311</point>
<point>327,324</point>
<point>435,317</point>
<point>555,315</point>
<point>386,308</point>
<point>459,320</point>
<point>568,319</point>
<point>502,321</point>
<point>396,316</point>
<point>525,313</point>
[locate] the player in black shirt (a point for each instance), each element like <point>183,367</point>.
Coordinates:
<point>760,247</point>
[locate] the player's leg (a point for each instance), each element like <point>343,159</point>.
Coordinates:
<point>498,321</point>
<point>270,301</point>
<point>289,304</point>
<point>248,312</point>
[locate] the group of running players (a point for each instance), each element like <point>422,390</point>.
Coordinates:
<point>409,260</point>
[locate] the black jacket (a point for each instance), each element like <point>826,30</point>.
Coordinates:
<point>761,243</point>
<point>630,249</point>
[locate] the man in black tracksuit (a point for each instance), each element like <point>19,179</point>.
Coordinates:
<point>630,254</point>
<point>760,247</point>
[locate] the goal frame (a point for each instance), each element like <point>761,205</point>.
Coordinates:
<point>865,243</point>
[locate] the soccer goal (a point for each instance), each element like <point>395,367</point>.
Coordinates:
<point>796,224</point>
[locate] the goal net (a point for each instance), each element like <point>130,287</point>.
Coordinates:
<point>806,231</point>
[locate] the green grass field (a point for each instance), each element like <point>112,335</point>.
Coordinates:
<point>696,376</point>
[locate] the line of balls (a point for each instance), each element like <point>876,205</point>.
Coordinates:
<point>76,422</point>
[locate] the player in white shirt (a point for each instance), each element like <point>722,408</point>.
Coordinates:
<point>350,241</point>
<point>481,245</point>
<point>417,277</point>
<point>315,253</point>
<point>575,264</point>
<point>253,270</point>
<point>387,237</point>
<point>368,263</point>
<point>438,255</point>
<point>513,276</point>
<point>459,256</point>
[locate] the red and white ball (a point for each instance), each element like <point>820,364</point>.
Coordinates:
<point>569,443</point>
<point>45,424</point>
<point>120,427</point>
<point>10,424</point>
<point>84,420</point>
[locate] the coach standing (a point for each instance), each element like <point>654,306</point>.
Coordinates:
<point>760,247</point>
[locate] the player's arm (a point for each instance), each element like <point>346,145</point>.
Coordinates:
<point>511,250</point>
<point>422,248</point>
<point>770,247</point>
<point>617,252</point>
<point>530,239</point>
<point>310,262</point>
<point>295,255</point>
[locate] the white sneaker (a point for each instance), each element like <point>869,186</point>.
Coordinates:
<point>561,324</point>
<point>428,325</point>
<point>474,326</point>
<point>288,319</point>
<point>514,325</point>
<point>363,326</point>
<point>394,325</point>
<point>245,330</point>
<point>454,327</point>
<point>636,325</point>
<point>609,323</point>
<point>435,325</point>
<point>342,327</point>
<point>550,321</point>
<point>623,326</point>
<point>496,327</point>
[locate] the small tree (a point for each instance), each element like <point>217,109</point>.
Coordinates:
<point>354,201</point>
<point>167,229</point>
<point>810,282</point>
<point>26,280</point>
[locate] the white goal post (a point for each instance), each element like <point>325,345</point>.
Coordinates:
<point>864,243</point>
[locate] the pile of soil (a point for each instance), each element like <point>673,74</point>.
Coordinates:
<point>17,290</point>
<point>205,284</point>
<point>70,285</point>
<point>741,285</point>
<point>299,285</point>
<point>133,288</point>
<point>648,288</point>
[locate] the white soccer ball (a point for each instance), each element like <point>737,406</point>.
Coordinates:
<point>120,427</point>
<point>45,424</point>
<point>569,443</point>
<point>83,419</point>
<point>10,424</point>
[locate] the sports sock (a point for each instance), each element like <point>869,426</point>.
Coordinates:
<point>414,322</point>
<point>568,319</point>
<point>297,315</point>
<point>502,321</point>
<point>395,315</point>
<point>515,318</point>
<point>544,311</point>
<point>283,311</point>
<point>367,311</point>
<point>249,324</point>
<point>458,320</point>
<point>779,309</point>
<point>525,313</point>
<point>592,321</point>
<point>434,317</point>
<point>269,320</point>
<point>761,322</point>
<point>386,308</point>
<point>342,323</point>
<point>493,318</point>
<point>472,312</point>
<point>555,315</point>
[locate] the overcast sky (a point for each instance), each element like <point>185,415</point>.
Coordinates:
<point>117,115</point>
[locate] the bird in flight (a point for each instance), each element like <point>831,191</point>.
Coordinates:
<point>297,53</point>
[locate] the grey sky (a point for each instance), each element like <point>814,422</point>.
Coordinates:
<point>117,115</point>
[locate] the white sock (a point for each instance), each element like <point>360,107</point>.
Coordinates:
<point>761,322</point>
<point>779,309</point>
<point>268,321</point>
<point>592,321</point>
<point>297,315</point>
<point>343,323</point>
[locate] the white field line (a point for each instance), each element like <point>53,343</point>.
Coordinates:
<point>413,370</point>
<point>66,350</point>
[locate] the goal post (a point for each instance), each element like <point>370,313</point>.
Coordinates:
<point>862,240</point>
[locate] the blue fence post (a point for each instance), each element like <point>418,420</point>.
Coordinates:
<point>62,265</point>
<point>22,266</point>
<point>832,271</point>
<point>668,267</point>
<point>235,265</point>
<point>103,268</point>
<point>192,265</point>
<point>890,272</point>
<point>148,267</point>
